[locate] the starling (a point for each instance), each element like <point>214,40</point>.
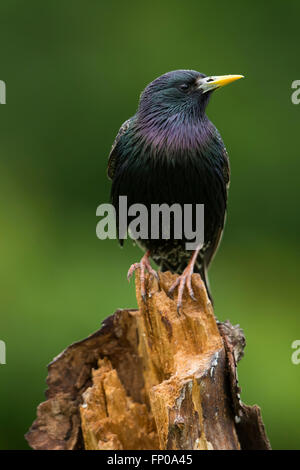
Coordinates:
<point>170,152</point>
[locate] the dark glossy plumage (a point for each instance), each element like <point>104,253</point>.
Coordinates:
<point>169,152</point>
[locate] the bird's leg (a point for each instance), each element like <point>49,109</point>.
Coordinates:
<point>144,265</point>
<point>185,279</point>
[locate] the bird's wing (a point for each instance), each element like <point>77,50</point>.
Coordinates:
<point>215,243</point>
<point>113,156</point>
<point>226,167</point>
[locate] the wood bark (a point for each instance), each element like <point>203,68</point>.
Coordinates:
<point>151,379</point>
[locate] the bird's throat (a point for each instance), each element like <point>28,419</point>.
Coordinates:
<point>176,132</point>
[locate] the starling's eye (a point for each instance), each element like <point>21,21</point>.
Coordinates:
<point>184,87</point>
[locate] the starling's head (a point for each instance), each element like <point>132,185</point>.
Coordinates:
<point>181,90</point>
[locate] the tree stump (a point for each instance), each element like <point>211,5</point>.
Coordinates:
<point>151,379</point>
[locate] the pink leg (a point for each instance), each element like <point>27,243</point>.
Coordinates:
<point>185,279</point>
<point>144,265</point>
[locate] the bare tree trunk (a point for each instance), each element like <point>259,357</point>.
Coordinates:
<point>151,379</point>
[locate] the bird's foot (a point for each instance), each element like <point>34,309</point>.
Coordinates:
<point>144,265</point>
<point>184,280</point>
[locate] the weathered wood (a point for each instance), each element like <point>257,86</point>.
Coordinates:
<point>151,379</point>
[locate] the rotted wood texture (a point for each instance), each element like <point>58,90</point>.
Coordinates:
<point>151,379</point>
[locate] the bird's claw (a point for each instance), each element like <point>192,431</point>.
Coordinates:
<point>185,279</point>
<point>131,270</point>
<point>144,265</point>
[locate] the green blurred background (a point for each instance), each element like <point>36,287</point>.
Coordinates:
<point>74,71</point>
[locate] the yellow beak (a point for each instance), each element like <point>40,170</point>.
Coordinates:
<point>214,82</point>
